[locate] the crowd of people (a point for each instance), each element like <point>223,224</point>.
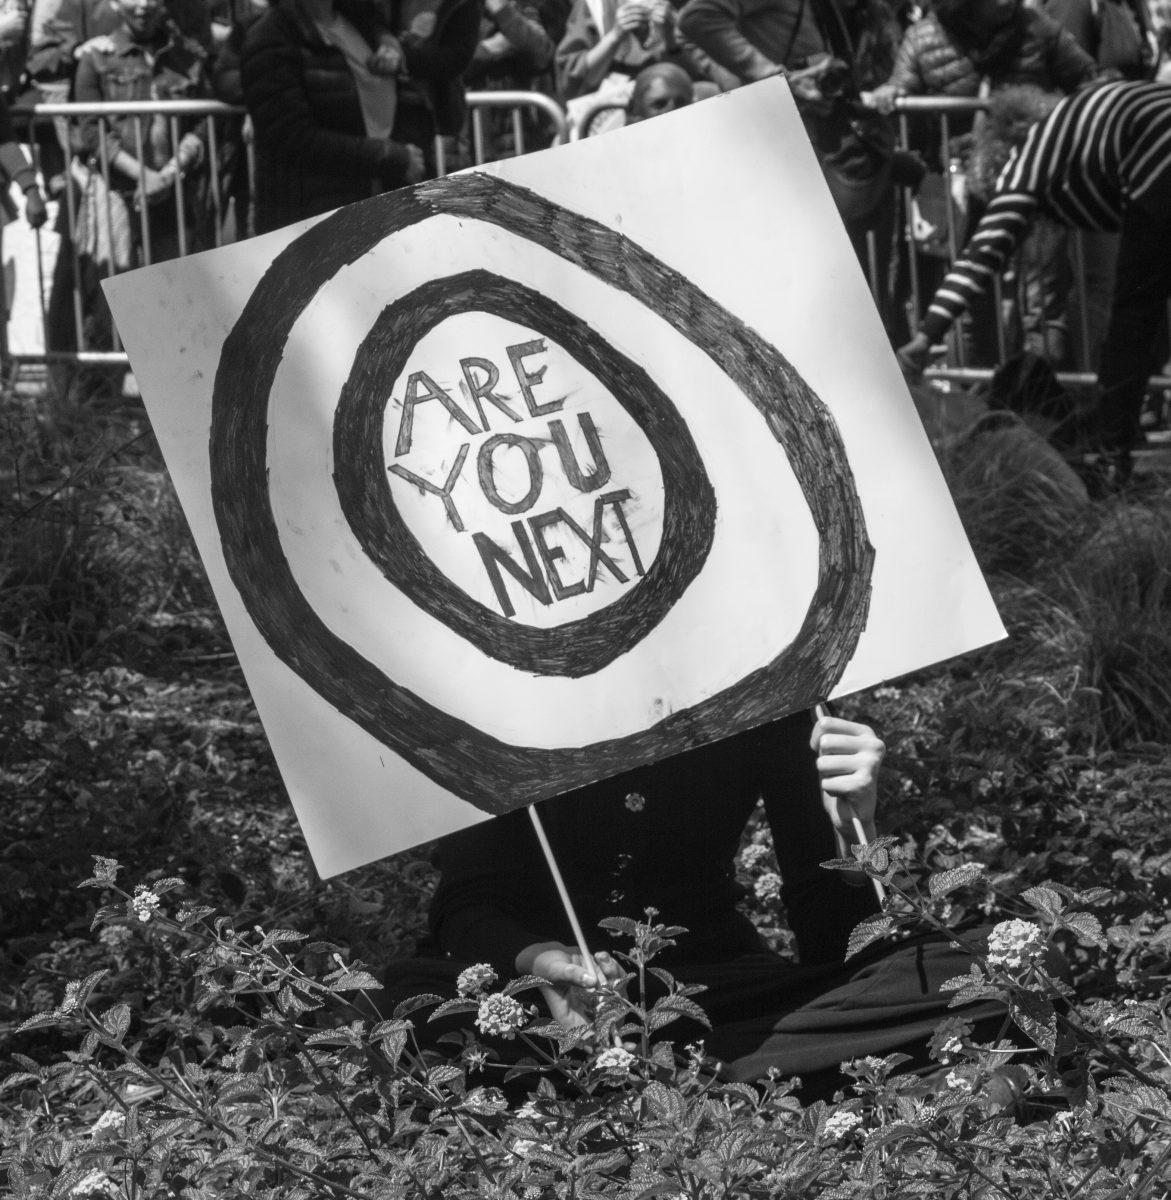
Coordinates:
<point>348,98</point>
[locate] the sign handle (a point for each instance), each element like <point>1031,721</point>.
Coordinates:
<point>563,892</point>
<point>820,711</point>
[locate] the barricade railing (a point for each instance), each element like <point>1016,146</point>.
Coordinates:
<point>114,228</point>
<point>515,104</point>
<point>109,227</point>
<point>109,223</point>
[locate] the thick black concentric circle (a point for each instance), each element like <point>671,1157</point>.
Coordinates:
<point>489,773</point>
<point>574,648</point>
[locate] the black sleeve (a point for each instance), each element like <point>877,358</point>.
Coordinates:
<point>447,55</point>
<point>494,896</point>
<point>822,907</point>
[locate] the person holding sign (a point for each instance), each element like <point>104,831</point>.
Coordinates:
<point>665,837</point>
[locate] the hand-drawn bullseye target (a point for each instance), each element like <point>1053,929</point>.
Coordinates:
<point>490,773</point>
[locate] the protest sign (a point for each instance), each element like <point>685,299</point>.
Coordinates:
<point>521,478</point>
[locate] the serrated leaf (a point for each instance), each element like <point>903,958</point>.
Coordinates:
<point>277,937</point>
<point>443,1073</point>
<point>1036,1016</point>
<point>414,1003</point>
<point>665,1102</point>
<point>115,1022</point>
<point>41,1021</point>
<point>867,932</point>
<point>623,926</point>
<point>684,1007</point>
<point>524,984</point>
<point>946,882</point>
<point>974,976</point>
<point>898,1132</point>
<point>1087,927</point>
<point>666,1187</point>
<point>353,981</point>
<point>454,1006</point>
<point>1044,899</point>
<point>840,864</point>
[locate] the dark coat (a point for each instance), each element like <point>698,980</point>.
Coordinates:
<point>931,62</point>
<point>312,152</point>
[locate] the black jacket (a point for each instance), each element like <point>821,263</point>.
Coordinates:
<point>663,836</point>
<point>312,152</point>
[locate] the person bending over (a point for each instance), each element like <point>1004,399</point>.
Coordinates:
<point>1101,160</point>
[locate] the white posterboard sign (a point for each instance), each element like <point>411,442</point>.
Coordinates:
<point>522,478</point>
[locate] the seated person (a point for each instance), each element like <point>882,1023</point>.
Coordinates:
<point>665,836</point>
<point>659,88</point>
<point>602,59</point>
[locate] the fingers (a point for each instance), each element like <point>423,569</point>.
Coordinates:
<point>837,735</point>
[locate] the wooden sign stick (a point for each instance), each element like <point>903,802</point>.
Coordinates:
<point>566,902</point>
<point>820,711</point>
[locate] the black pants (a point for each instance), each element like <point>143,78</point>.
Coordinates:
<point>1142,287</point>
<point>770,1013</point>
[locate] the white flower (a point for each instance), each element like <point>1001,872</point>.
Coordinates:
<point>951,1048</point>
<point>768,886</point>
<point>109,1124</point>
<point>144,902</point>
<point>485,1101</point>
<point>840,1125</point>
<point>958,1082</point>
<point>615,1061</point>
<point>1015,945</point>
<point>500,1015</point>
<point>753,855</point>
<point>529,1111</point>
<point>635,802</point>
<point>96,1183</point>
<point>523,1147</point>
<point>475,979</point>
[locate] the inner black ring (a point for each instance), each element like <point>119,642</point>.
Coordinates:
<point>575,648</point>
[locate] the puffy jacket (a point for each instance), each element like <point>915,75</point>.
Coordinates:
<point>312,152</point>
<point>931,63</point>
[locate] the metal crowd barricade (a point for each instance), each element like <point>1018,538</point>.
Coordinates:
<point>201,189</point>
<point>516,104</point>
<point>89,183</point>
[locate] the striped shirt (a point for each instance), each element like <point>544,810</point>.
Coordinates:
<point>1098,152</point>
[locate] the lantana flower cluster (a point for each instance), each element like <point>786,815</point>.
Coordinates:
<point>614,1062</point>
<point>500,1015</point>
<point>144,903</point>
<point>840,1125</point>
<point>477,978</point>
<point>1015,945</point>
<point>768,886</point>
